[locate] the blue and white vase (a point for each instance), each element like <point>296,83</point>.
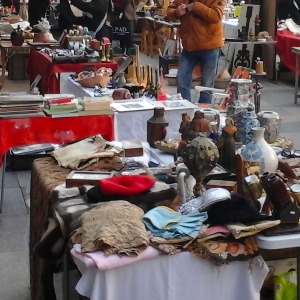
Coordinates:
<point>245,123</point>
<point>271,121</point>
<point>258,150</point>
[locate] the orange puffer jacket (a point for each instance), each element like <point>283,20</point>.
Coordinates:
<point>202,28</point>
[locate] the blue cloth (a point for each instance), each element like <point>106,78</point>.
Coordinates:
<point>207,59</point>
<point>169,224</point>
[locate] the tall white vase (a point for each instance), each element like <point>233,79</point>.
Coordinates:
<point>258,150</point>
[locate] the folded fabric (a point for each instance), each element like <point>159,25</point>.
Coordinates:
<point>112,227</point>
<point>239,230</point>
<point>107,262</point>
<point>213,230</point>
<point>127,185</point>
<point>224,250</point>
<point>169,224</point>
<point>81,154</point>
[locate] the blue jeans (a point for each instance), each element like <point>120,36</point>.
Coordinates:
<point>207,59</point>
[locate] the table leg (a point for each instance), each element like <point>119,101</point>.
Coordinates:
<point>257,101</point>
<point>298,272</point>
<point>3,64</point>
<point>296,78</point>
<point>2,182</point>
<point>65,276</point>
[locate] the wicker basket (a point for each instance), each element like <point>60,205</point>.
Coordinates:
<point>92,81</point>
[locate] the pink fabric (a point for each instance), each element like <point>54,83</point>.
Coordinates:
<point>214,229</point>
<point>106,262</point>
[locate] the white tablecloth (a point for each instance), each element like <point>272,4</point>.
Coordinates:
<point>133,124</point>
<point>174,277</point>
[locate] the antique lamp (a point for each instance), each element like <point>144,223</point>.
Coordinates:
<point>200,156</point>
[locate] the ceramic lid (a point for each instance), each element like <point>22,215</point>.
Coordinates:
<point>267,114</point>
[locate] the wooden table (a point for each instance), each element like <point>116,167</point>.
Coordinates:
<point>7,51</point>
<point>41,63</point>
<point>26,131</point>
<point>296,51</point>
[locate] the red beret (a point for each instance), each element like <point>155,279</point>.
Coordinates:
<point>127,185</point>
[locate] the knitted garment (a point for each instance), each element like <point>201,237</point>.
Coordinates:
<point>112,227</point>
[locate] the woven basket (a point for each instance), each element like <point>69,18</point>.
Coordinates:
<point>92,81</point>
<point>167,146</point>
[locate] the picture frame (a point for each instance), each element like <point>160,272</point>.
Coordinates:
<point>174,104</point>
<point>127,106</point>
<point>79,178</point>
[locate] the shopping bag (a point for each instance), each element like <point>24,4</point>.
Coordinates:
<point>285,286</point>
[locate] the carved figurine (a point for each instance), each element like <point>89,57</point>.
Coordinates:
<point>198,125</point>
<point>184,126</point>
<point>227,149</point>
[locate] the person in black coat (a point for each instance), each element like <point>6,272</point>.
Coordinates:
<point>95,14</point>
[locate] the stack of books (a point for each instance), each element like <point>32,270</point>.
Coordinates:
<point>93,106</point>
<point>61,105</point>
<point>21,106</point>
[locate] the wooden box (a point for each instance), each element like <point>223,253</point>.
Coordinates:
<point>132,148</point>
<point>231,186</point>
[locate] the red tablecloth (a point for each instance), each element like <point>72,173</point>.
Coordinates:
<point>17,132</point>
<point>40,63</point>
<point>285,41</point>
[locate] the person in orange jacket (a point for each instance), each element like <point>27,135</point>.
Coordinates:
<point>201,33</point>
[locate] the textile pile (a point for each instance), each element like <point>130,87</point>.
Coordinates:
<point>118,226</point>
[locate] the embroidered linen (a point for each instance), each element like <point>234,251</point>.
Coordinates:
<point>112,227</point>
<point>85,152</point>
<point>224,250</point>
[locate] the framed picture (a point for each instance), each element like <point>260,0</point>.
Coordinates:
<point>132,106</point>
<point>174,104</point>
<point>78,178</point>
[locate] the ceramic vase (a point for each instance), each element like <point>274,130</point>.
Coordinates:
<point>240,97</point>
<point>245,123</point>
<point>157,127</point>
<point>271,121</point>
<point>258,150</point>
